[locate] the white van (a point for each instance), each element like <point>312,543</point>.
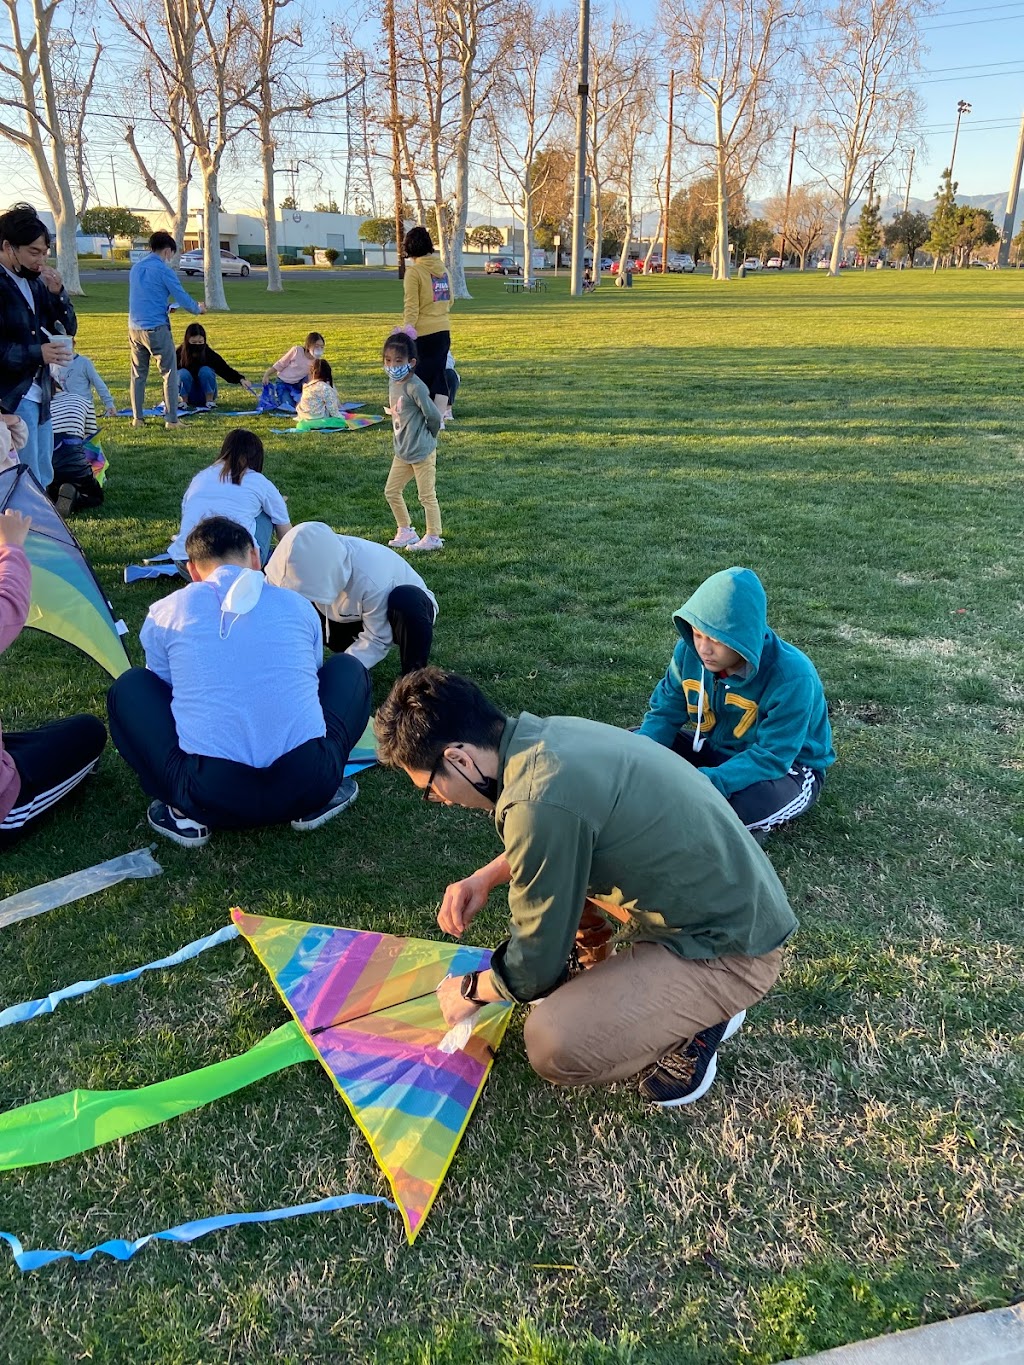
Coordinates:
<point>539,259</point>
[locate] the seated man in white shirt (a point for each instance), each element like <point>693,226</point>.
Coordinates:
<point>234,722</point>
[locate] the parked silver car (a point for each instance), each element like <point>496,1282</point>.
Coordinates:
<point>191,263</point>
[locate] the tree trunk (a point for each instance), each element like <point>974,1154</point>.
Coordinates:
<point>274,284</point>
<point>722,263</point>
<point>454,262</point>
<point>54,177</point>
<point>527,228</point>
<point>216,301</point>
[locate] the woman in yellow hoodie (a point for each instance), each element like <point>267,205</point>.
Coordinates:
<point>428,299</point>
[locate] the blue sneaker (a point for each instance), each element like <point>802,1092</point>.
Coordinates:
<point>341,800</point>
<point>688,1073</point>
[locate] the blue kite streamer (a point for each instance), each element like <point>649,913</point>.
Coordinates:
<point>185,1232</point>
<point>31,1009</point>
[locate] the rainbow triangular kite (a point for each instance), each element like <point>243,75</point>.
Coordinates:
<point>366,1003</point>
<point>67,600</point>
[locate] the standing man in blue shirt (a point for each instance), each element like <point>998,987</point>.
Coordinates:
<point>34,309</point>
<point>151,282</point>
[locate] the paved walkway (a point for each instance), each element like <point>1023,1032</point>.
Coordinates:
<point>995,1338</point>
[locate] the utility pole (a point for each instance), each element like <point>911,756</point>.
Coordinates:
<point>785,211</point>
<point>396,150</point>
<point>668,168</point>
<point>910,176</point>
<point>962,107</point>
<point>113,178</point>
<point>1011,202</point>
<point>579,198</point>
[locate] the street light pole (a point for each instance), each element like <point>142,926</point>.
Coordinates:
<point>962,107</point>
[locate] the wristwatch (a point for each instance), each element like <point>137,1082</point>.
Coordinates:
<point>468,988</point>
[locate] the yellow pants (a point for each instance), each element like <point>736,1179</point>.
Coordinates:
<point>425,474</point>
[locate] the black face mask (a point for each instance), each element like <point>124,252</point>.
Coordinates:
<point>487,786</point>
<point>24,271</point>
<point>196,345</point>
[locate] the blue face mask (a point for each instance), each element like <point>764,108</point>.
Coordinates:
<point>397,372</point>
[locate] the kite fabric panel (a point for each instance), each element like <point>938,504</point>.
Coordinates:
<point>364,755</point>
<point>67,600</point>
<point>367,1004</point>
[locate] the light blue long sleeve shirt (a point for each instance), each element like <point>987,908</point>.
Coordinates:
<point>151,282</point>
<point>243,687</point>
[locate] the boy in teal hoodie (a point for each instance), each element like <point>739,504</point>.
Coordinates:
<point>744,706</point>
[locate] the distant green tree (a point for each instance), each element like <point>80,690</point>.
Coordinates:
<point>974,228</point>
<point>485,237</point>
<point>332,254</point>
<point>289,204</point>
<point>329,206</point>
<point>909,231</point>
<point>753,238</point>
<point>943,227</point>
<point>379,231</point>
<point>869,227</point>
<point>112,222</point>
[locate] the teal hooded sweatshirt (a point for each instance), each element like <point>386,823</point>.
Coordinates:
<point>760,721</point>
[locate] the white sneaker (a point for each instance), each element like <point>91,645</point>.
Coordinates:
<point>407,536</point>
<point>427,543</point>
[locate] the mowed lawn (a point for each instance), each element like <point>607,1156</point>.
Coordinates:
<point>857,1168</point>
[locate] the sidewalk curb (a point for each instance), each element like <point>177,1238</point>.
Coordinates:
<point>995,1338</point>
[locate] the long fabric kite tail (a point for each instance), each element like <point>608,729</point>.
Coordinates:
<point>77,1121</point>
<point>184,1232</point>
<point>32,1009</point>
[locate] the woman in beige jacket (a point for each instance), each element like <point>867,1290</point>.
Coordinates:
<point>428,299</point>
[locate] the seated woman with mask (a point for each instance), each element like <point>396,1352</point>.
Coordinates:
<point>199,368</point>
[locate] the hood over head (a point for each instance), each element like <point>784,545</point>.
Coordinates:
<point>432,264</point>
<point>313,561</point>
<point>730,606</point>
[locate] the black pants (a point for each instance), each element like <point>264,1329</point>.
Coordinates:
<point>762,805</point>
<point>433,352</point>
<point>219,792</point>
<point>71,465</point>
<point>411,618</point>
<point>51,762</point>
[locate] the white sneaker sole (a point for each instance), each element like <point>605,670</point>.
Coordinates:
<point>694,1095</point>
<point>302,826</point>
<point>182,840</point>
<point>734,1025</point>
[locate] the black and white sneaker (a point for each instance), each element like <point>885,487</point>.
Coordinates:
<point>688,1073</point>
<point>341,800</point>
<point>177,827</point>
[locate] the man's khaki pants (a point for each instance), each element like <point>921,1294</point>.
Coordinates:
<point>629,1009</point>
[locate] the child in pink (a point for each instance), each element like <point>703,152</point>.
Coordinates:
<point>40,767</point>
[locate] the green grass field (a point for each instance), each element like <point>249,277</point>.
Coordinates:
<point>857,1167</point>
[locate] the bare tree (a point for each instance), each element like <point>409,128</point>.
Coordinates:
<point>617,67</point>
<point>48,84</point>
<point>630,146</point>
<point>520,114</point>
<point>811,215</point>
<point>199,48</point>
<point>729,54</point>
<point>280,89</point>
<point>860,75</point>
<point>166,106</point>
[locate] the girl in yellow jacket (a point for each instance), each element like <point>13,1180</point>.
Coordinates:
<point>428,299</point>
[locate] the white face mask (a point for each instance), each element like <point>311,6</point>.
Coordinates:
<point>317,352</point>
<point>240,598</point>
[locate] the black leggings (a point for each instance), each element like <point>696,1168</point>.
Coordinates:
<point>51,762</point>
<point>411,618</point>
<point>433,353</point>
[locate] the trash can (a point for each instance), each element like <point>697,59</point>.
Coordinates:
<point>741,272</point>
<point>628,278</point>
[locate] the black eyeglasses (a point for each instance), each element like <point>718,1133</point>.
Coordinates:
<point>428,790</point>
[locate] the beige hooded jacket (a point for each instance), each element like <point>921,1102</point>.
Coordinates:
<point>346,579</point>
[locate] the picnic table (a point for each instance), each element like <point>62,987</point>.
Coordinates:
<point>526,287</point>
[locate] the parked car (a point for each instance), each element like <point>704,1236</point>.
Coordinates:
<point>502,265</point>
<point>773,263</point>
<point>192,263</point>
<point>751,263</point>
<point>682,264</point>
<point>632,265</point>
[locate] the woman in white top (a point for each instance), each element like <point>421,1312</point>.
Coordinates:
<point>234,487</point>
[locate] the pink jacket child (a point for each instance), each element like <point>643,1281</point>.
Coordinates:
<point>15,589</point>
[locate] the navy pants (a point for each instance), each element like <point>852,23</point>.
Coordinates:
<point>219,792</point>
<point>763,805</point>
<point>411,618</point>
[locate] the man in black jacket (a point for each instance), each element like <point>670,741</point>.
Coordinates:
<point>33,307</point>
